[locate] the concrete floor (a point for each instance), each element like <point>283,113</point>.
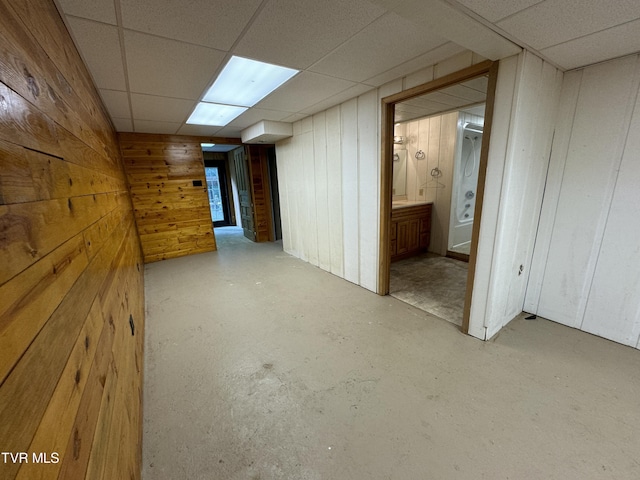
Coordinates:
<point>431,283</point>
<point>261,366</point>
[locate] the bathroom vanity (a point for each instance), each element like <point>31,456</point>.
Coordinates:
<point>410,229</point>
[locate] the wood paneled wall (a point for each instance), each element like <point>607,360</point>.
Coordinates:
<point>524,115</point>
<point>257,159</point>
<point>329,180</point>
<point>586,269</point>
<point>70,264</point>
<point>172,214</point>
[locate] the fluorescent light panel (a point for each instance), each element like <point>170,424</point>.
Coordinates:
<point>207,145</point>
<point>214,114</point>
<point>245,82</point>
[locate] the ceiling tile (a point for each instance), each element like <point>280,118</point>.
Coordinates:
<point>388,42</point>
<point>148,126</point>
<point>117,103</point>
<point>297,34</point>
<point>254,115</point>
<point>160,109</point>
<point>198,130</point>
<point>430,58</point>
<point>494,10</point>
<point>158,66</point>
<point>295,117</point>
<point>601,46</point>
<point>212,23</point>
<point>556,21</point>
<point>122,124</point>
<point>233,132</point>
<point>100,47</point>
<point>99,10</point>
<point>355,91</point>
<point>302,91</point>
<point>443,18</point>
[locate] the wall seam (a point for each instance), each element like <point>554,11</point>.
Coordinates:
<point>619,156</point>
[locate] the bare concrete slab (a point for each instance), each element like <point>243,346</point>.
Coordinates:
<point>261,366</point>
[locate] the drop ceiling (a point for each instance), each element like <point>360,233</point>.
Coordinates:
<point>152,60</point>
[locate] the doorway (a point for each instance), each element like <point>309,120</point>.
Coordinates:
<point>218,192</point>
<point>423,139</point>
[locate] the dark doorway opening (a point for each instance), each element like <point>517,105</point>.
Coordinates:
<point>218,191</point>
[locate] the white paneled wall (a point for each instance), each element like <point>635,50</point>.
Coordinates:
<point>525,110</point>
<point>586,271</point>
<point>329,181</point>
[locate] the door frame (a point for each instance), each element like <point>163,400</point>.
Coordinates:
<point>487,67</point>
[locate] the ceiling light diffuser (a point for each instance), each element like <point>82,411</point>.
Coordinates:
<point>245,82</point>
<point>214,114</point>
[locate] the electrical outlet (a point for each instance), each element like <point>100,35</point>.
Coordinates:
<point>421,193</point>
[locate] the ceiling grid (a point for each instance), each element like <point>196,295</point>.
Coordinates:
<point>153,60</point>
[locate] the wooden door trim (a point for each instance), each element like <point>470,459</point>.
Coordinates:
<point>487,67</point>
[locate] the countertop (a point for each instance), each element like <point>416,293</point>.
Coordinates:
<point>407,203</point>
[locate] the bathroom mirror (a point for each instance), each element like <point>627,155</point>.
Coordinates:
<point>399,173</point>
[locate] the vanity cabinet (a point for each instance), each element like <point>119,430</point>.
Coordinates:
<point>410,230</point>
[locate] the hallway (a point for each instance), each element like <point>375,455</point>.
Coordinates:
<point>260,366</point>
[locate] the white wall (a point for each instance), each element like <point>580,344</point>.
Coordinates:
<point>340,148</point>
<point>329,180</point>
<point>586,271</point>
<point>522,130</point>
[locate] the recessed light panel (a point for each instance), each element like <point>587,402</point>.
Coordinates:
<point>214,114</point>
<point>245,82</point>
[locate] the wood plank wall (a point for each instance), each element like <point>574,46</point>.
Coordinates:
<point>172,214</point>
<point>70,264</point>
<point>259,173</point>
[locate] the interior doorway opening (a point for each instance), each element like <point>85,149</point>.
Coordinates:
<point>435,144</point>
<point>218,191</point>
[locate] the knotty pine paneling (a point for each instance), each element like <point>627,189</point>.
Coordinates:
<point>71,263</point>
<point>172,214</point>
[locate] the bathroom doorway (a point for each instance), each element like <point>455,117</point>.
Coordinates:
<point>435,144</point>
